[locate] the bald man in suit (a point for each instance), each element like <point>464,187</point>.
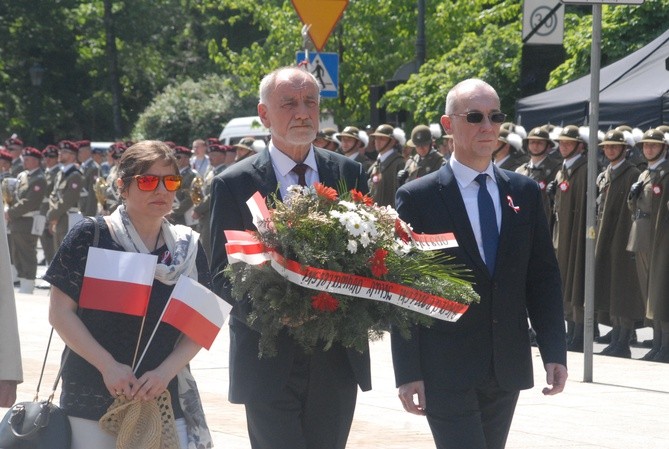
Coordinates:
<point>466,376</point>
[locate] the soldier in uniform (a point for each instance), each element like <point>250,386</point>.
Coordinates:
<point>246,147</point>
<point>51,169</point>
<point>113,198</point>
<point>5,164</point>
<point>88,204</point>
<point>15,147</point>
<point>509,154</point>
<point>64,199</point>
<point>383,173</point>
<point>217,154</point>
<point>570,187</point>
<point>353,143</point>
<point>649,240</point>
<point>182,209</point>
<point>617,292</point>
<point>326,139</point>
<point>22,222</point>
<point>540,167</point>
<point>426,160</point>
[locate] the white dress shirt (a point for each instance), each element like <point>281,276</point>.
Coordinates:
<point>469,189</point>
<point>283,166</point>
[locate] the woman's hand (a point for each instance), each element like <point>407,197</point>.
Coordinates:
<point>120,380</point>
<point>151,385</point>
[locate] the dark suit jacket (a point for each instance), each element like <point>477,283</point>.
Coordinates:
<point>252,378</point>
<point>526,281</point>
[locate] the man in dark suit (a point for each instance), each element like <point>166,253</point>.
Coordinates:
<point>293,400</point>
<point>466,376</point>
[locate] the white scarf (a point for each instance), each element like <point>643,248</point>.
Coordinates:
<point>181,242</point>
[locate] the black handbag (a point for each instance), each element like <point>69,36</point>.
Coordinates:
<point>37,424</point>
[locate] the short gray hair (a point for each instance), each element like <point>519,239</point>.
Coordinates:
<point>268,83</point>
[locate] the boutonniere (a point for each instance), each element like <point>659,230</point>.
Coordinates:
<point>515,208</point>
<point>542,185</point>
<point>564,186</point>
<point>657,189</point>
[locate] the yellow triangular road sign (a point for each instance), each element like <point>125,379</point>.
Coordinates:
<point>322,15</point>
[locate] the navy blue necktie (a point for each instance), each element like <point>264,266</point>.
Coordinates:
<point>488,222</point>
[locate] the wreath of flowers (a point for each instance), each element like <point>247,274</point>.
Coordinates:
<point>318,227</point>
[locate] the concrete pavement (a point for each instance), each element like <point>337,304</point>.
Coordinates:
<point>627,405</point>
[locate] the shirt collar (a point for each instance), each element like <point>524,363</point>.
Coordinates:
<point>283,164</point>
<point>465,175</point>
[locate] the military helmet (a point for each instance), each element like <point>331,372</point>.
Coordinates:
<point>653,136</point>
<point>570,133</point>
<point>538,133</point>
<point>510,138</point>
<point>349,131</point>
<point>384,130</point>
<point>613,137</point>
<point>663,129</point>
<point>421,135</point>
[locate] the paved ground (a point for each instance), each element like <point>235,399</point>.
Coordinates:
<point>627,405</point>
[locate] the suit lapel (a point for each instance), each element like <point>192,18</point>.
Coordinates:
<point>328,169</point>
<point>265,176</point>
<point>452,200</point>
<point>508,213</point>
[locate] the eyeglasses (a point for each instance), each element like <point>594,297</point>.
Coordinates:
<point>149,183</point>
<point>477,117</point>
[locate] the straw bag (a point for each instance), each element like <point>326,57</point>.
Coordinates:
<point>142,424</point>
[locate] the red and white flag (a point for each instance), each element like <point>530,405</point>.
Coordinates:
<point>117,281</point>
<point>196,311</point>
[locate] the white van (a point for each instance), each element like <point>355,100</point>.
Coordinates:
<point>240,127</point>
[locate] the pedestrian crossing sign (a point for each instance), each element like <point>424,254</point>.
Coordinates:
<point>325,67</point>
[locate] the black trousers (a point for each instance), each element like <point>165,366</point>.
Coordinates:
<point>477,418</point>
<point>313,411</point>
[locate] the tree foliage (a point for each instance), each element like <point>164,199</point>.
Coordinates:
<point>191,110</point>
<point>163,43</point>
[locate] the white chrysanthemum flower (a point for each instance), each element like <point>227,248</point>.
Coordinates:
<point>336,215</point>
<point>400,248</point>
<point>352,246</point>
<point>353,223</point>
<point>367,215</point>
<point>348,205</point>
<point>364,240</point>
<point>390,211</point>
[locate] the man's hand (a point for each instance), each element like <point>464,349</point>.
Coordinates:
<point>556,376</point>
<point>7,393</point>
<point>406,394</point>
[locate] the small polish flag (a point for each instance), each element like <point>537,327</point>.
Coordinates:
<point>117,281</point>
<point>259,212</point>
<point>196,311</point>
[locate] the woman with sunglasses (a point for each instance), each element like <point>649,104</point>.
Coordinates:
<point>104,344</point>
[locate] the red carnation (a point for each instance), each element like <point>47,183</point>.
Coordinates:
<point>378,262</point>
<point>324,302</point>
<point>325,192</point>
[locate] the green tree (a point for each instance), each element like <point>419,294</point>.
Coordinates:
<point>192,110</point>
<point>625,29</point>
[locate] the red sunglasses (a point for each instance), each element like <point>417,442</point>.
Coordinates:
<point>149,183</point>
